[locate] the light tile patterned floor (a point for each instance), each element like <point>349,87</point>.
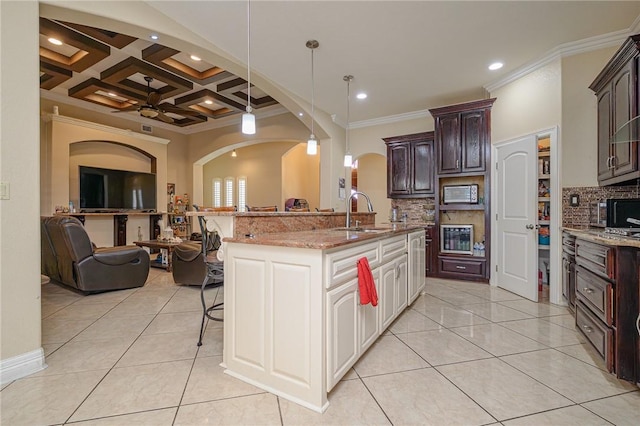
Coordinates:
<point>464,353</point>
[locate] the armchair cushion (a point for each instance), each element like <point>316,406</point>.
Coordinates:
<point>117,255</point>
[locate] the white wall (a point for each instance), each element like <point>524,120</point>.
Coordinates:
<point>20,167</point>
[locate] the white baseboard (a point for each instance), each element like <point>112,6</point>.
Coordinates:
<point>22,365</point>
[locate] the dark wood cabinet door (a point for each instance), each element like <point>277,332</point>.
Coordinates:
<point>473,140</point>
<point>618,94</point>
<point>410,168</point>
<point>431,252</point>
<point>604,134</point>
<point>449,143</point>
<point>624,160</point>
<point>422,175</point>
<point>398,170</point>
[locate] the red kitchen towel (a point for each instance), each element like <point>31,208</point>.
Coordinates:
<point>367,286</point>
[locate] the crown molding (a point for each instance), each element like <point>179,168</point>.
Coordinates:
<point>568,49</point>
<point>390,119</point>
<point>103,128</point>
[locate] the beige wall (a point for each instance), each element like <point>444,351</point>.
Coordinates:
<point>65,132</point>
<point>262,166</point>
<point>301,176</point>
<point>579,119</point>
<point>527,105</point>
<point>178,170</point>
<point>372,180</point>
<point>19,167</point>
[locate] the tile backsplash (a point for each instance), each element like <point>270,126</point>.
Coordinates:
<point>417,209</point>
<point>577,217</point>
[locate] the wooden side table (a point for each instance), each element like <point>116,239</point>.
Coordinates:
<point>159,245</point>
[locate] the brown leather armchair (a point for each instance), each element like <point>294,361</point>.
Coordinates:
<point>83,266</point>
<point>188,265</point>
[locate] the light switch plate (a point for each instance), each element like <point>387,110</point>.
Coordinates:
<point>574,200</point>
<point>4,190</point>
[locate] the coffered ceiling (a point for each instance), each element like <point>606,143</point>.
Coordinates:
<point>109,69</point>
<point>408,56</point>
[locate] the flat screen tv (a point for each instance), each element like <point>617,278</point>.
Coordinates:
<point>109,190</point>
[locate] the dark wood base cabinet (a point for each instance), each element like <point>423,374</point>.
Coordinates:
<point>431,251</point>
<point>607,300</point>
<point>465,268</point>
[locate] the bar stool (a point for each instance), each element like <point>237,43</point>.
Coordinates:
<point>215,272</point>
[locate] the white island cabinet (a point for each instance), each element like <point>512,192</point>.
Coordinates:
<point>293,322</point>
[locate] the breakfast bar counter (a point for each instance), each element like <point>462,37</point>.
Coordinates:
<point>294,323</point>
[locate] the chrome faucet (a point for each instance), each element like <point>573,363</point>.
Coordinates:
<point>369,206</point>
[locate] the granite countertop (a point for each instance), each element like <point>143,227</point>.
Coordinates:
<point>325,238</point>
<point>270,214</point>
<point>599,236</point>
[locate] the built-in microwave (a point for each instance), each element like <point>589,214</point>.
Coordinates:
<point>615,213</point>
<point>623,213</point>
<point>460,194</point>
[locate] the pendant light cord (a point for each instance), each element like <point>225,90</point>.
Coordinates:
<point>348,79</point>
<point>313,90</point>
<point>248,55</point>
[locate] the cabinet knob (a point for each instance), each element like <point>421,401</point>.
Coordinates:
<point>587,290</point>
<point>587,328</point>
<point>460,267</point>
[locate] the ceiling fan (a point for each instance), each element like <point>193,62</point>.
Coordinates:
<point>151,109</point>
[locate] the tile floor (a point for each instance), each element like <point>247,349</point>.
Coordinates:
<point>463,353</point>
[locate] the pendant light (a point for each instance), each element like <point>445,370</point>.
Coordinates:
<point>348,158</point>
<point>248,119</point>
<point>312,143</point>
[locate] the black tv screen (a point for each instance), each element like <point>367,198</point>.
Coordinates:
<point>108,189</point>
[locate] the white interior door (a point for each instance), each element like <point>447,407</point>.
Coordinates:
<point>516,186</point>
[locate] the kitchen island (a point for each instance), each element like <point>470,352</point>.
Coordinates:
<point>293,322</point>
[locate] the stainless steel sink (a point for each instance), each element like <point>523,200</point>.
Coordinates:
<point>359,229</point>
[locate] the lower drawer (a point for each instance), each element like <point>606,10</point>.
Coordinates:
<point>597,292</point>
<point>598,334</point>
<point>462,266</point>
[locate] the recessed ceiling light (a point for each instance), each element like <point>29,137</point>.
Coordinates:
<point>111,94</point>
<point>496,66</point>
<point>195,58</point>
<point>55,41</point>
<point>361,96</point>
<point>154,37</point>
<point>208,102</point>
<point>300,114</point>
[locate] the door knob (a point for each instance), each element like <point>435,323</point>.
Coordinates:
<point>529,226</point>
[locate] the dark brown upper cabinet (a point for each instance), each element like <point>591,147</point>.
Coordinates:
<point>462,137</point>
<point>410,166</point>
<point>617,93</point>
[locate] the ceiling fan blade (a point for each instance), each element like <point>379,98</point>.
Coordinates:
<point>176,110</point>
<point>129,108</point>
<point>164,118</point>
<point>154,98</point>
